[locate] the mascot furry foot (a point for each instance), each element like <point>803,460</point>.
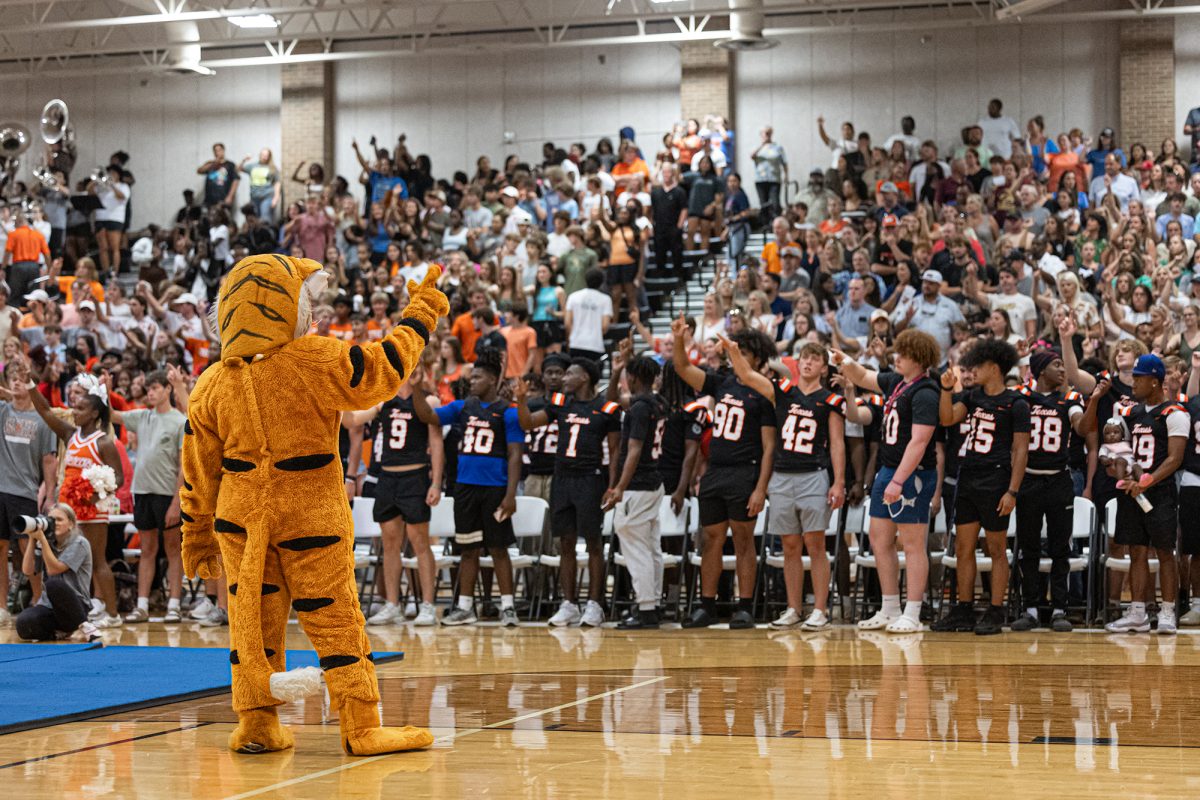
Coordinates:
<point>262,433</point>
<point>259,731</point>
<point>362,734</point>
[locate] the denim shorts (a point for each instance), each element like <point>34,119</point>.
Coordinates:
<point>916,495</point>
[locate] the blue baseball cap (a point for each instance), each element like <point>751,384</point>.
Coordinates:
<point>1150,366</point>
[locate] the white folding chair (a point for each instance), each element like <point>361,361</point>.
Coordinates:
<point>368,539</point>
<point>1082,526</point>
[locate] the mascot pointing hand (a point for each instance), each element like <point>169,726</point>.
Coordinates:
<point>263,494</point>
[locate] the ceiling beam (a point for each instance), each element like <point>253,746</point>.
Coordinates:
<point>1023,7</point>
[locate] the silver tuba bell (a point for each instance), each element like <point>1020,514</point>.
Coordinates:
<point>14,140</point>
<point>54,121</point>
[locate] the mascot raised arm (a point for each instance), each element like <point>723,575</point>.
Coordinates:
<point>263,495</point>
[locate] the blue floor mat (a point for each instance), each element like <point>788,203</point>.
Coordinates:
<point>90,681</point>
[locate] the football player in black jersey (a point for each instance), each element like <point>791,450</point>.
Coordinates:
<point>638,495</point>
<point>586,422</point>
<point>1123,355</point>
<point>409,454</point>
<point>733,490</point>
<point>907,477</point>
<point>542,443</point>
<point>809,443</point>
<point>1158,430</point>
<point>990,473</point>
<point>1189,502</point>
<point>1047,493</point>
<point>485,489</point>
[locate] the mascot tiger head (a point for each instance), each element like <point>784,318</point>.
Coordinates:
<point>266,302</point>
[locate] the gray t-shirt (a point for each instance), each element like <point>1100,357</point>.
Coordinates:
<point>27,439</point>
<point>159,440</point>
<point>77,555</point>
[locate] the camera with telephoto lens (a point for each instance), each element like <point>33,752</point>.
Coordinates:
<point>41,523</point>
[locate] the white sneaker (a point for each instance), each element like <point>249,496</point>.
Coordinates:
<point>593,615</point>
<point>216,619</point>
<point>1128,624</point>
<point>138,614</point>
<point>107,621</point>
<point>567,614</point>
<point>427,616</point>
<point>388,615</point>
<point>1191,619</point>
<point>202,609</point>
<point>87,632</point>
<point>788,619</point>
<point>1166,622</point>
<point>172,615</point>
<point>98,611</point>
<point>903,624</point>
<point>818,620</point>
<point>410,610</point>
<point>5,617</point>
<point>877,622</point>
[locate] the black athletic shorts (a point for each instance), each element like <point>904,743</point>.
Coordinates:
<point>150,512</point>
<point>11,507</point>
<point>1189,520</point>
<point>549,332</point>
<point>475,522</point>
<point>618,274</point>
<point>978,496</point>
<point>402,494</point>
<point>369,484</point>
<point>1154,528</point>
<point>725,493</point>
<point>575,505</point>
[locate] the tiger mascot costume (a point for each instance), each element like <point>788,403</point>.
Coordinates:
<point>263,494</point>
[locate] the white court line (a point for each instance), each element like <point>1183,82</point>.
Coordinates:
<point>447,738</point>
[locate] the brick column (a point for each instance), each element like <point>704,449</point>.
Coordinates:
<point>306,118</point>
<point>705,81</point>
<point>1147,82</point>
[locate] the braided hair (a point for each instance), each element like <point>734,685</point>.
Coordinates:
<point>644,370</point>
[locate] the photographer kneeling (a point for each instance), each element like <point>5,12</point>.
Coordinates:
<point>66,568</point>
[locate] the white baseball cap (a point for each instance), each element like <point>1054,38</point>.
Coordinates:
<point>86,305</point>
<point>38,295</point>
<point>931,275</point>
<point>186,297</point>
<point>510,191</point>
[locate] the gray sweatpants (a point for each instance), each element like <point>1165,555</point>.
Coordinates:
<point>636,524</point>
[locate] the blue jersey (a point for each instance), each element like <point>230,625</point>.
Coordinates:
<point>486,431</point>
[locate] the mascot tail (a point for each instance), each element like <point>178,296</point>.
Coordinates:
<point>247,634</point>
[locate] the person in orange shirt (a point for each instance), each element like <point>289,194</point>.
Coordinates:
<point>21,252</point>
<point>341,327</point>
<point>522,344</point>
<point>772,250</point>
<point>358,329</point>
<point>85,271</point>
<point>688,144</point>
<point>629,164</point>
<point>463,327</point>
<point>378,323</point>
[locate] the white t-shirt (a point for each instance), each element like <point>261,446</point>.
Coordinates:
<point>839,147</point>
<point>588,308</point>
<point>557,244</point>
<point>641,197</point>
<point>415,273</point>
<point>112,209</point>
<point>998,134</point>
<point>912,145</point>
<point>1019,307</point>
<point>219,236</point>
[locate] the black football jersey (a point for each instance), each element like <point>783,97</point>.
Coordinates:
<point>541,443</point>
<point>994,419</point>
<point>954,442</point>
<point>1191,456</point>
<point>403,439</point>
<point>583,427</point>
<point>1050,428</point>
<point>373,433</point>
<point>1148,433</point>
<point>645,420</point>
<point>907,404</point>
<point>738,419</point>
<point>683,425</point>
<point>802,441</point>
<point>482,430</point>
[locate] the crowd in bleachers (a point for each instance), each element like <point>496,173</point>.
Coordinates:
<point>1056,245</point>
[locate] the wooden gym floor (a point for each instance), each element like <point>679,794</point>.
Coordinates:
<point>538,713</point>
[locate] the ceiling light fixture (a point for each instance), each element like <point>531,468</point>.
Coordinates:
<point>254,21</point>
